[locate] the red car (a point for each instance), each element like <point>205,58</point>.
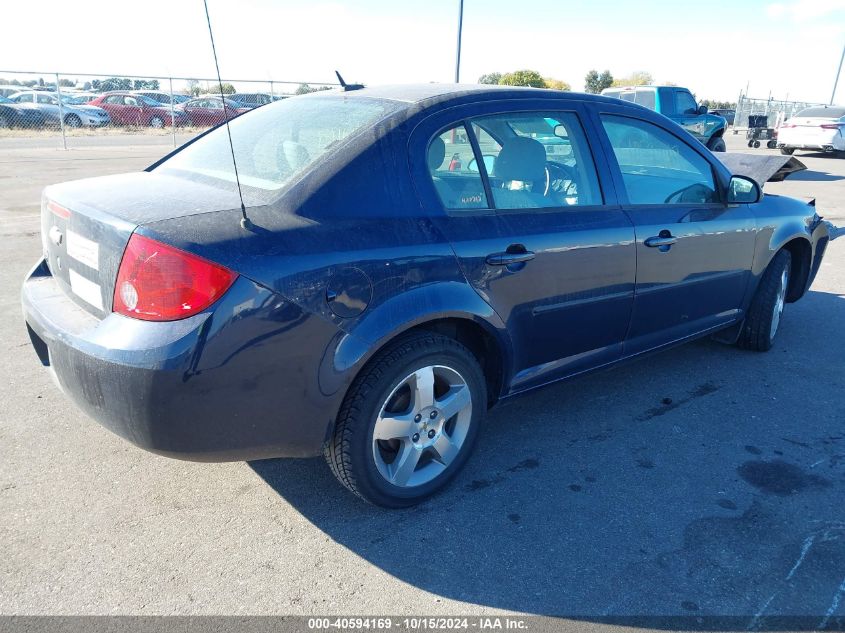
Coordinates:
<point>208,111</point>
<point>126,108</point>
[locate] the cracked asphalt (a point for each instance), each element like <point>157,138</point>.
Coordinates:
<point>703,481</point>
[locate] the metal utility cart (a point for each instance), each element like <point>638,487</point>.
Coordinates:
<point>759,130</point>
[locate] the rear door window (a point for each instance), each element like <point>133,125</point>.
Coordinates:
<point>454,171</point>
<point>537,160</point>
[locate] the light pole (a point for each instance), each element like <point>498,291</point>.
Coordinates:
<point>458,53</point>
<point>835,81</point>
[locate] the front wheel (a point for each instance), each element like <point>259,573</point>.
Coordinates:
<point>763,318</point>
<point>717,144</point>
<point>409,421</point>
<point>156,122</point>
<point>73,120</point>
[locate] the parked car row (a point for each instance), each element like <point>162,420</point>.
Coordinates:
<point>138,108</point>
<point>71,112</point>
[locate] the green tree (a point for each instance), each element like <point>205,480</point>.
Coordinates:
<point>530,78</point>
<point>556,84</point>
<point>146,84</point>
<point>225,88</point>
<point>490,78</point>
<point>116,83</point>
<point>595,82</point>
<point>304,89</point>
<point>66,83</point>
<point>637,78</point>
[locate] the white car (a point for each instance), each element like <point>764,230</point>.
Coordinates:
<point>75,115</point>
<point>817,128</point>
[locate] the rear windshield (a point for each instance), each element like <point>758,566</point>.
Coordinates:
<point>829,113</point>
<point>279,142</point>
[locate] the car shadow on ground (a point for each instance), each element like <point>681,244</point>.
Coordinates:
<point>815,176</point>
<point>694,490</point>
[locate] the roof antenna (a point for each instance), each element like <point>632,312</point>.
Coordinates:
<point>345,86</point>
<point>246,223</point>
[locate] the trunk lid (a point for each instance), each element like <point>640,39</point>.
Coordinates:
<point>86,224</point>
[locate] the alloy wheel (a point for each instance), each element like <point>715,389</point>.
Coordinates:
<point>421,426</point>
<point>780,301</point>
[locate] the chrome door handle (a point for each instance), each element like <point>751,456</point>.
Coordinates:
<point>506,259</point>
<point>658,241</point>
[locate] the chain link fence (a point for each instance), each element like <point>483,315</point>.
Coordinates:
<point>67,106</point>
<point>777,111</point>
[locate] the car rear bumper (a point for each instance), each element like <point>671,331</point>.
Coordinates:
<point>829,141</point>
<point>239,381</point>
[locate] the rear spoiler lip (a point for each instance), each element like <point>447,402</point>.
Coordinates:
<point>761,169</point>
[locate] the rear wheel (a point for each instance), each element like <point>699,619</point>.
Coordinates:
<point>788,151</point>
<point>5,120</point>
<point>717,144</point>
<point>763,318</point>
<point>409,422</point>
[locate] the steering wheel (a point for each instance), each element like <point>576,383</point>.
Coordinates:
<point>561,179</point>
<point>694,193</point>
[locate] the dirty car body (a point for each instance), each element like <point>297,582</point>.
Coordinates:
<point>357,240</point>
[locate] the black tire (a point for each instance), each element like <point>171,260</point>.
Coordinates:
<point>750,143</point>
<point>772,144</point>
<point>787,151</point>
<point>757,332</point>
<point>756,144</point>
<point>717,144</point>
<point>350,452</point>
<point>73,120</point>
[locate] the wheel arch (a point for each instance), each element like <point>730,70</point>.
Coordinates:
<point>801,252</point>
<point>482,335</point>
<point>450,308</point>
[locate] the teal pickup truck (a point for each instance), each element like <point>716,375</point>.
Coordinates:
<point>679,105</point>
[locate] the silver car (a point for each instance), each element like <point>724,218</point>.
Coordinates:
<point>75,114</point>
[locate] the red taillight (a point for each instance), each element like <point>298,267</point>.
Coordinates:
<point>58,210</point>
<point>157,282</point>
<point>830,126</point>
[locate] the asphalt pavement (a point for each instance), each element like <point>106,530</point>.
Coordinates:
<point>702,481</point>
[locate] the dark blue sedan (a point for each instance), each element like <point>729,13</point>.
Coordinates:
<point>409,256</point>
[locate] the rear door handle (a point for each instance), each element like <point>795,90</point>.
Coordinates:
<point>506,259</point>
<point>661,240</point>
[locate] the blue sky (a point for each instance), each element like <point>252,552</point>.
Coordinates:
<point>792,50</point>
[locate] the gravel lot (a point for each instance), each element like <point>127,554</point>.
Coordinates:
<point>590,499</point>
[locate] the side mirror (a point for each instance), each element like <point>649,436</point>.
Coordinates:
<point>489,161</point>
<point>702,109</point>
<point>742,190</point>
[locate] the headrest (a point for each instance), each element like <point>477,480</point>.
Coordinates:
<point>522,159</point>
<point>436,153</point>
<point>295,155</point>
